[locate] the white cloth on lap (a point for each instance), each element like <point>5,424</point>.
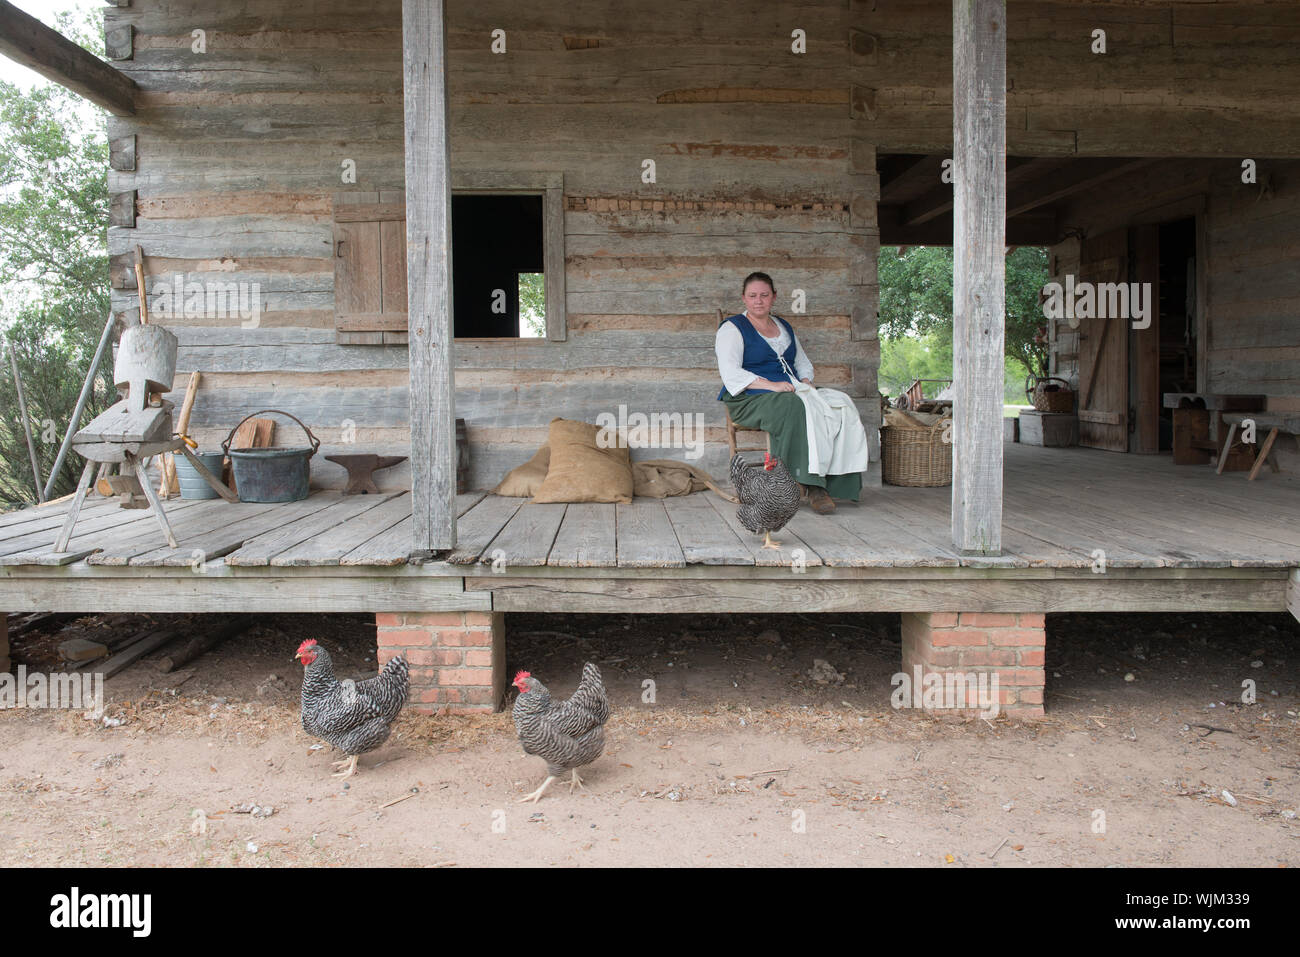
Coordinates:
<point>837,441</point>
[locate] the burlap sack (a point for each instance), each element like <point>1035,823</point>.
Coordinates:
<point>524,480</point>
<point>582,471</point>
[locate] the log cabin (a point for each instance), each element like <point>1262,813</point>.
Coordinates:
<point>373,184</point>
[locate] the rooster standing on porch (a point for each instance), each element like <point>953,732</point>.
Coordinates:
<point>354,716</point>
<point>769,497</point>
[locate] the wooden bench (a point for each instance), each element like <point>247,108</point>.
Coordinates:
<point>1191,414</point>
<point>1275,422</point>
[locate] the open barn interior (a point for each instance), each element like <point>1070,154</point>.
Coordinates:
<point>1208,236</point>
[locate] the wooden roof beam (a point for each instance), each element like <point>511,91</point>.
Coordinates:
<point>1038,228</point>
<point>901,171</point>
<point>1080,175</point>
<point>938,201</point>
<point>26,40</point>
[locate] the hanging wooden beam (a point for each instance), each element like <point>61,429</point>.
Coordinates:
<point>428,257</point>
<point>979,281</point>
<point>26,40</point>
<point>939,200</point>
<point>1081,174</point>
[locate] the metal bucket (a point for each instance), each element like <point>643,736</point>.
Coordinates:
<point>192,485</point>
<point>275,474</point>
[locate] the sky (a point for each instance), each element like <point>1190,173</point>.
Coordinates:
<point>45,11</point>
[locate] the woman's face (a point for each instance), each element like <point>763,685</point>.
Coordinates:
<point>758,298</point>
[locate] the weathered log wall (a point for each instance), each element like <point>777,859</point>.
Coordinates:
<point>764,159</point>
<point>1254,285</point>
<point>240,149</point>
<point>1251,281</point>
<point>1177,78</point>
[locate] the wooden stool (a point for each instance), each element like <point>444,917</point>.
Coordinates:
<point>133,458</point>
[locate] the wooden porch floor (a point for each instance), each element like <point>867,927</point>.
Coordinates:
<point>1064,508</point>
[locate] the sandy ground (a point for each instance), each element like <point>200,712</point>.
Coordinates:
<point>743,759</point>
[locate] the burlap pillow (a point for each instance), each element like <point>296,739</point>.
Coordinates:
<point>581,471</point>
<point>526,479</point>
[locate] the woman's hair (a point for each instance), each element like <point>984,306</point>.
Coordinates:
<point>758,277</point>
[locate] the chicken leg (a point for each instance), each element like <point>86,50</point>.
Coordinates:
<point>575,781</point>
<point>536,795</point>
<point>768,542</point>
<point>351,769</point>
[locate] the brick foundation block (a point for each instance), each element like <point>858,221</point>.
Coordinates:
<point>954,660</point>
<point>457,658</point>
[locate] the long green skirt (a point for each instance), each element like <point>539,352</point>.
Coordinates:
<point>781,415</point>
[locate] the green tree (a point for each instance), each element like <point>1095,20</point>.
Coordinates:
<point>909,357</point>
<point>916,304</point>
<point>532,302</point>
<point>54,298</point>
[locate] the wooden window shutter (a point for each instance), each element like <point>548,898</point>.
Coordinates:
<point>370,268</point>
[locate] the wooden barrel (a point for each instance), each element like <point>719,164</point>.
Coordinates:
<point>462,457</point>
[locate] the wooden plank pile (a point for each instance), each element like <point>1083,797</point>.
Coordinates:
<point>128,638</point>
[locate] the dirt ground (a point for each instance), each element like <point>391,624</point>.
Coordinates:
<point>743,759</point>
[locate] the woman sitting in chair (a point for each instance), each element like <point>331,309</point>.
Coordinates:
<point>767,385</point>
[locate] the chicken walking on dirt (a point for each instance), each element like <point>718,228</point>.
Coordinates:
<point>769,497</point>
<point>569,735</point>
<point>354,716</point>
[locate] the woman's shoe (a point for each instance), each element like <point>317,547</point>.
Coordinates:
<point>820,500</point>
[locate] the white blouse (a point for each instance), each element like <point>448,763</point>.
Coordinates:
<point>729,345</point>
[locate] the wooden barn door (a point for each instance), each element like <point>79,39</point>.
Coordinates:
<point>1144,345</point>
<point>1103,350</point>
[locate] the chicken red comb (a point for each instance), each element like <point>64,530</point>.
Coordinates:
<point>521,676</point>
<point>309,643</point>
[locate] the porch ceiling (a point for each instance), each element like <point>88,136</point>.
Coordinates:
<point>915,206</point>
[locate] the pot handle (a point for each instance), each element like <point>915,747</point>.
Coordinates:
<point>315,442</point>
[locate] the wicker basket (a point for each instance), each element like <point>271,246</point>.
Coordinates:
<point>915,454</point>
<point>1059,399</point>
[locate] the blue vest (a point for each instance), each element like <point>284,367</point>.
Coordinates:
<point>760,358</point>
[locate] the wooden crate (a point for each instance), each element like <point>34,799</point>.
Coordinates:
<point>1056,429</point>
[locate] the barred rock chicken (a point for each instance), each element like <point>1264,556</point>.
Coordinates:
<point>569,735</point>
<point>354,716</point>
<point>769,497</point>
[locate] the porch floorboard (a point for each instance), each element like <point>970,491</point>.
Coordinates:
<point>1063,509</point>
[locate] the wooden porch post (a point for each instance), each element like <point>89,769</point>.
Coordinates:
<point>428,271</point>
<point>979,73</point>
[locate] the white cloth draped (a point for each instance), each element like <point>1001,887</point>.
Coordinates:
<point>837,441</point>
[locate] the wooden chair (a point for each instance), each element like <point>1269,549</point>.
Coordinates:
<point>733,430</point>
